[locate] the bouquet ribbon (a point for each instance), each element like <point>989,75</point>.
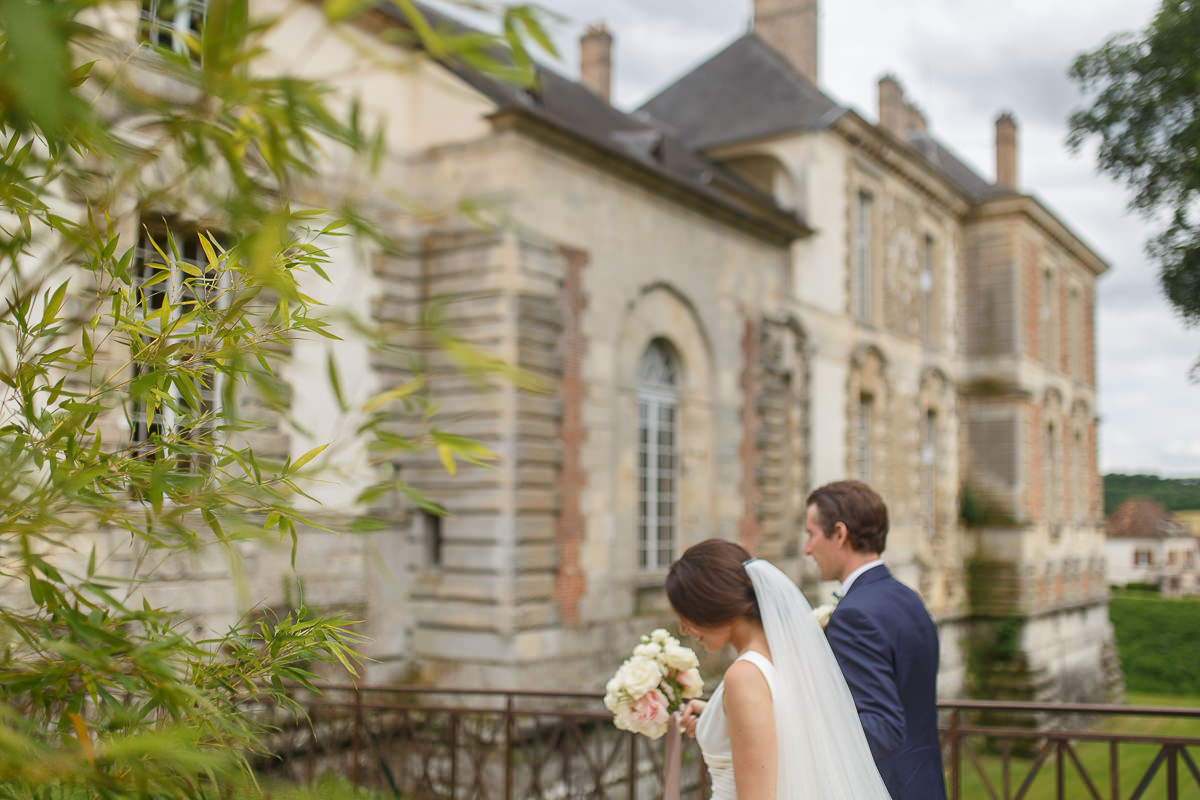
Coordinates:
<point>672,752</point>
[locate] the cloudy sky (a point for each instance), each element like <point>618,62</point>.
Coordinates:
<point>962,63</point>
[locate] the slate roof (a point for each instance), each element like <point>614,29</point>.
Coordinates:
<point>954,169</point>
<point>745,92</point>
<point>638,138</point>
<point>749,91</point>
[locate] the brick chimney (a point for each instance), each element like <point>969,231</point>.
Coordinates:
<point>893,111</point>
<point>1006,151</point>
<point>595,60</point>
<point>790,27</point>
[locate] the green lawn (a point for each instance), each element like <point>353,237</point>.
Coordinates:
<point>1156,637</point>
<point>1133,760</point>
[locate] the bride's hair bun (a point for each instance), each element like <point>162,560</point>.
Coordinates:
<point>708,585</point>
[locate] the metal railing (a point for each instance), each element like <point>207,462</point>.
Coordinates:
<point>419,743</point>
<point>1002,748</point>
<point>429,744</point>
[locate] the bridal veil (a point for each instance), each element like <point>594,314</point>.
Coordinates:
<point>823,752</point>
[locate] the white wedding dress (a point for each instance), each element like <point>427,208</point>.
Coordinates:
<point>823,752</point>
<point>712,732</point>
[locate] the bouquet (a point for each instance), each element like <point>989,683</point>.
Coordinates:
<point>655,681</point>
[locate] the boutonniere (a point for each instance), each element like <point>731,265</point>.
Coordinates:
<point>822,613</point>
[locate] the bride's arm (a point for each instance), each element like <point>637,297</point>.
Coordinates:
<point>751,722</point>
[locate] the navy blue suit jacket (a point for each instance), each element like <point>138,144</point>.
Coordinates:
<point>887,646</point>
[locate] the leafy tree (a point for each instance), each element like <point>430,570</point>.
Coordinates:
<point>105,695</point>
<point>1176,494</point>
<point>1145,111</point>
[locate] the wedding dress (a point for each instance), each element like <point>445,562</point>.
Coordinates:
<point>712,732</point>
<point>823,752</point>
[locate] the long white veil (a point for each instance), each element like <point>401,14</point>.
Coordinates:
<point>823,752</point>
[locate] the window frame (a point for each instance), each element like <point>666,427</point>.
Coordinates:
<point>171,32</point>
<point>180,245</point>
<point>862,300</point>
<point>658,404</point>
<point>930,462</point>
<point>927,283</point>
<point>863,423</point>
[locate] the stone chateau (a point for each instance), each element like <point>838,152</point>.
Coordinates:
<point>740,291</point>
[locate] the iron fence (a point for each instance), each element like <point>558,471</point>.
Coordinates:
<point>457,744</point>
<point>1002,748</point>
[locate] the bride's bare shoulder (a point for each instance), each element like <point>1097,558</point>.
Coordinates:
<point>745,680</point>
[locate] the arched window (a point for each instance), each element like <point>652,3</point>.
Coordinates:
<point>868,395</point>
<point>864,424</point>
<point>658,459</point>
<point>1052,480</point>
<point>930,463</point>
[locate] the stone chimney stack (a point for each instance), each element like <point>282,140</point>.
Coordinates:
<point>790,27</point>
<point>893,111</point>
<point>595,60</point>
<point>915,120</point>
<point>1006,151</point>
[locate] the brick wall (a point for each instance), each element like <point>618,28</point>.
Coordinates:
<point>990,302</point>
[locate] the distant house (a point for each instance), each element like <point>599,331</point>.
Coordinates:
<point>1147,545</point>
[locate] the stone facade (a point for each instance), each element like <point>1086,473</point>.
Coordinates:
<point>830,298</point>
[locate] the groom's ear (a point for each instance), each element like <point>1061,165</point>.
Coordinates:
<point>840,532</point>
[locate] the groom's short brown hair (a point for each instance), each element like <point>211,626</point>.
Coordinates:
<point>858,507</point>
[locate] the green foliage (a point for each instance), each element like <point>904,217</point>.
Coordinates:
<point>1176,494</point>
<point>1145,112</point>
<point>976,508</point>
<point>104,694</point>
<point>1156,637</point>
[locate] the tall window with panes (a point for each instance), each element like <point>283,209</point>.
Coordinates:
<point>174,25</point>
<point>864,420</point>
<point>1075,335</point>
<point>1052,480</point>
<point>1046,320</point>
<point>1079,492</point>
<point>658,456</point>
<point>173,278</point>
<point>927,296</point>
<point>929,472</point>
<point>863,255</point>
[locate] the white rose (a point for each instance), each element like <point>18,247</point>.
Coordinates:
<point>640,675</point>
<point>823,613</point>
<point>678,657</point>
<point>660,635</point>
<point>649,650</point>
<point>624,718</point>
<point>613,697</point>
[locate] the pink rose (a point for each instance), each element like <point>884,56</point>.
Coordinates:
<point>690,683</point>
<point>650,709</point>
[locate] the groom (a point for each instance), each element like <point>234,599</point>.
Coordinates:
<point>883,637</point>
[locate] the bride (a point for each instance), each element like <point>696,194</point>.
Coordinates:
<point>782,724</point>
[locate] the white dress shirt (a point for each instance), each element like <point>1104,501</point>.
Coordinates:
<point>853,576</point>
